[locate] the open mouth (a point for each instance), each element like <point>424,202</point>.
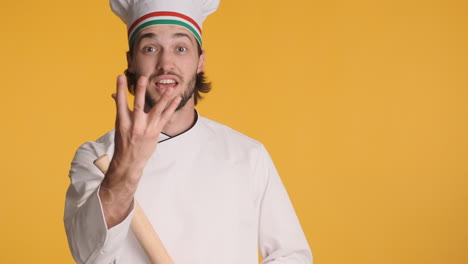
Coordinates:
<point>162,84</point>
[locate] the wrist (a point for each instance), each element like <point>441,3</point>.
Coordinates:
<point>115,208</point>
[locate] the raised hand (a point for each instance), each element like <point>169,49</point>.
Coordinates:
<point>136,138</point>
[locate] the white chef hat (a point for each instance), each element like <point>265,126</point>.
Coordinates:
<point>139,14</point>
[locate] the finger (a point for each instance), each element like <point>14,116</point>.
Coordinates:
<point>170,110</point>
<point>140,91</point>
<point>157,110</point>
<point>123,112</point>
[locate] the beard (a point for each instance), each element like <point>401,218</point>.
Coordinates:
<point>186,95</point>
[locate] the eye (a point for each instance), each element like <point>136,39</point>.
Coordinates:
<point>149,49</point>
<point>181,49</point>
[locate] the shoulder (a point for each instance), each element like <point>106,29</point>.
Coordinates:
<point>231,140</point>
<point>227,133</point>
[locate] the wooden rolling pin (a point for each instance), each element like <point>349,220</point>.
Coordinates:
<point>141,226</point>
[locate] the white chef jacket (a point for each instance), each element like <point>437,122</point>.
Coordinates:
<point>212,194</point>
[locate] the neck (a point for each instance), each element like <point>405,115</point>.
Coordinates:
<point>181,120</point>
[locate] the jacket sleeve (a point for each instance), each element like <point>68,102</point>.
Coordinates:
<point>281,239</point>
<point>88,237</point>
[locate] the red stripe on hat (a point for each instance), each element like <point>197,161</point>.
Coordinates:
<point>163,13</point>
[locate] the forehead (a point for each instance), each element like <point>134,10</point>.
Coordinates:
<point>164,33</point>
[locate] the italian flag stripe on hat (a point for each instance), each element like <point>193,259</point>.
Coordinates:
<point>164,18</point>
<point>139,14</point>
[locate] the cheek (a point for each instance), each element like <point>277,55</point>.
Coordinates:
<point>145,65</point>
<point>190,66</point>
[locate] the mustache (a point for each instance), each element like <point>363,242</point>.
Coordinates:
<point>162,72</point>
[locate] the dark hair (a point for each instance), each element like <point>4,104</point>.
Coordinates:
<point>201,84</point>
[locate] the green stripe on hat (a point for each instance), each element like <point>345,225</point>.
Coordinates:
<point>164,22</point>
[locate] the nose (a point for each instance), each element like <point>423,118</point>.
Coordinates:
<point>165,61</point>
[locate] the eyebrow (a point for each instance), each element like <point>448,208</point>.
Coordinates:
<point>138,40</point>
<point>147,35</point>
<point>181,35</point>
<point>151,35</point>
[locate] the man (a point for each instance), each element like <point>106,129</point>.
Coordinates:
<point>212,194</point>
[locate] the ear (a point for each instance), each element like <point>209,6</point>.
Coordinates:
<point>129,62</point>
<point>201,62</point>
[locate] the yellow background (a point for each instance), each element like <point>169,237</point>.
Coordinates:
<point>362,105</point>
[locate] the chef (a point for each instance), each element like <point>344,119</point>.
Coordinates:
<point>212,194</point>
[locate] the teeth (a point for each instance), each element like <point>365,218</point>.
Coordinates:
<point>166,81</point>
